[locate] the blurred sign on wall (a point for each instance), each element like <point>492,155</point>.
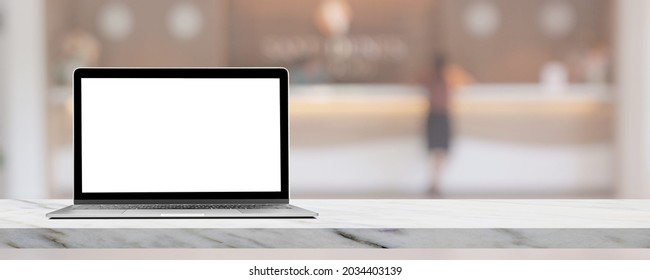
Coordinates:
<point>347,40</point>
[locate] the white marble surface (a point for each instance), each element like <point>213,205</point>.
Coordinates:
<point>351,224</point>
<point>413,213</point>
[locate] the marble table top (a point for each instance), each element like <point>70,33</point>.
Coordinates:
<point>351,224</point>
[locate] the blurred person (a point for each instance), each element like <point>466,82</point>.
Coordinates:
<point>596,64</point>
<point>439,82</point>
<point>78,48</point>
<point>308,70</point>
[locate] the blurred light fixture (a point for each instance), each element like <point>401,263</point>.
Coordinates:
<point>115,21</point>
<point>557,19</point>
<point>333,17</point>
<point>184,21</point>
<point>482,18</point>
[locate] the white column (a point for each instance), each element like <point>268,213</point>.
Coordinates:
<point>2,94</point>
<point>24,86</point>
<point>633,98</point>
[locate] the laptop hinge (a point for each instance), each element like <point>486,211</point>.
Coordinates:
<point>181,201</point>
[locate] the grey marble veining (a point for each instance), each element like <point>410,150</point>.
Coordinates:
<point>324,238</point>
<point>351,224</point>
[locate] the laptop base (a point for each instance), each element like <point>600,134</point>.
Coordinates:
<point>289,211</point>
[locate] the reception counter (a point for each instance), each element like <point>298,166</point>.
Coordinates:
<point>371,139</point>
<point>349,224</point>
<point>502,112</point>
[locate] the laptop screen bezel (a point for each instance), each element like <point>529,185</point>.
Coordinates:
<point>281,196</point>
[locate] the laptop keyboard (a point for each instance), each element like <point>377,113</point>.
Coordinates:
<point>182,206</point>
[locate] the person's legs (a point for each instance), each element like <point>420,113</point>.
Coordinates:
<point>438,163</point>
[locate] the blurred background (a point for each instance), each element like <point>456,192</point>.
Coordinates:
<point>535,98</point>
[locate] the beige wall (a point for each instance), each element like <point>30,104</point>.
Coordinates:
<point>518,49</point>
<point>150,43</point>
<point>236,33</point>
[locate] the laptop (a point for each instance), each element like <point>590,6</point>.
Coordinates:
<point>181,143</point>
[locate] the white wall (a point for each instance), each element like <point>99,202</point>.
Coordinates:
<point>23,106</point>
<point>633,108</point>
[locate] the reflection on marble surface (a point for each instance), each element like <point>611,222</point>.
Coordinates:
<point>351,224</point>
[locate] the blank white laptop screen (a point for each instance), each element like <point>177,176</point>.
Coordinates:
<point>180,135</point>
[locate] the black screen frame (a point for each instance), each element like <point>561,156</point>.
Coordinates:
<point>183,197</point>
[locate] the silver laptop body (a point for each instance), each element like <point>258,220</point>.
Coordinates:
<point>181,143</point>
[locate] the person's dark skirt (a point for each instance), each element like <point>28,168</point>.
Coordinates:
<point>438,131</point>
